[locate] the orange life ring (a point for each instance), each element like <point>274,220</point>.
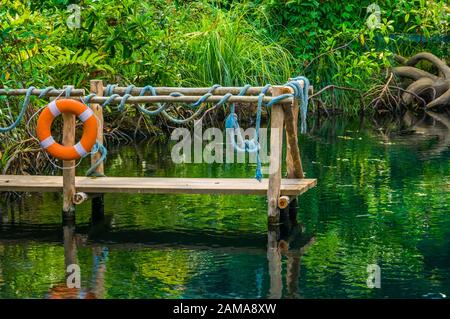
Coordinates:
<point>90,129</point>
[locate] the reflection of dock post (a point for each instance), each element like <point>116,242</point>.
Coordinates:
<point>274,265</point>
<point>98,201</point>
<point>98,280</point>
<point>279,241</point>
<point>70,244</point>
<point>292,274</point>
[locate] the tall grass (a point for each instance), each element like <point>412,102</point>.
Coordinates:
<point>224,48</point>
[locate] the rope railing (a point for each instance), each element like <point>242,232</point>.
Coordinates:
<point>194,98</point>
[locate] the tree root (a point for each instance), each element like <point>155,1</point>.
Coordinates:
<point>424,82</point>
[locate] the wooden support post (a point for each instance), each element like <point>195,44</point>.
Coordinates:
<point>293,158</point>
<point>276,151</point>
<point>69,167</point>
<point>98,201</point>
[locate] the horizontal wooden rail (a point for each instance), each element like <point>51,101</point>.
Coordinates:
<point>222,90</point>
<point>185,99</point>
<point>190,94</point>
<point>56,92</point>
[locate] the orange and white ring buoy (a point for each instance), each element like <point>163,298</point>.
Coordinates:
<point>90,129</point>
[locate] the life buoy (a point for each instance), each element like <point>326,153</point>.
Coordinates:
<point>90,129</point>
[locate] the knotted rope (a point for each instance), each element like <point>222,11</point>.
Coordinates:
<point>231,122</point>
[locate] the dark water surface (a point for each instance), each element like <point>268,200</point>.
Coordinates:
<point>382,198</point>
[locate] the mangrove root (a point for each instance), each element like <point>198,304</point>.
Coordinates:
<point>434,89</point>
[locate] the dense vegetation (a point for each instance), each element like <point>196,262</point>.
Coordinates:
<point>175,43</point>
<point>206,42</point>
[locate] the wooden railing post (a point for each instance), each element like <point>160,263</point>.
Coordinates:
<point>293,158</point>
<point>97,88</point>
<point>98,201</point>
<point>276,151</point>
<point>69,167</point>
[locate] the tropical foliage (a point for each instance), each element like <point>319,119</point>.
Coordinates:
<point>199,43</point>
<point>206,42</point>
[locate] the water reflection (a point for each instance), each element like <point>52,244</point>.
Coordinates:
<point>379,200</point>
<point>290,241</point>
<point>96,289</point>
<point>429,125</point>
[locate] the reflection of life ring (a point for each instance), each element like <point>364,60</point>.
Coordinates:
<point>88,138</point>
<point>62,292</point>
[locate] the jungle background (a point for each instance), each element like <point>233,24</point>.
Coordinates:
<point>346,47</point>
<point>187,43</point>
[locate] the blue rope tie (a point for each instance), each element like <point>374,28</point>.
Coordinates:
<point>302,94</point>
<point>68,91</point>
<point>45,91</point>
<point>104,152</point>
<point>250,146</point>
<point>23,109</point>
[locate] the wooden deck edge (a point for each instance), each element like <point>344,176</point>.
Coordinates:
<point>153,185</point>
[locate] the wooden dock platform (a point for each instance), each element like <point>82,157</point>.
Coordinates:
<point>153,185</point>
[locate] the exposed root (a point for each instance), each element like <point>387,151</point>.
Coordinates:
<point>424,82</point>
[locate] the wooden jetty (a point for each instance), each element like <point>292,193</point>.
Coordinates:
<point>280,191</point>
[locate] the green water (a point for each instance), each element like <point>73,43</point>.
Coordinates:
<point>382,198</point>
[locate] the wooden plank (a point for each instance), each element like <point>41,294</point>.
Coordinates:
<point>54,93</point>
<point>186,99</point>
<point>276,150</point>
<point>222,90</point>
<point>69,166</point>
<point>153,185</point>
<point>293,158</point>
<point>97,88</point>
<point>98,207</point>
<point>159,91</point>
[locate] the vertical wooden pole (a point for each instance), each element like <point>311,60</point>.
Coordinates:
<point>98,201</point>
<point>276,151</point>
<point>97,88</point>
<point>69,167</point>
<point>293,158</point>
